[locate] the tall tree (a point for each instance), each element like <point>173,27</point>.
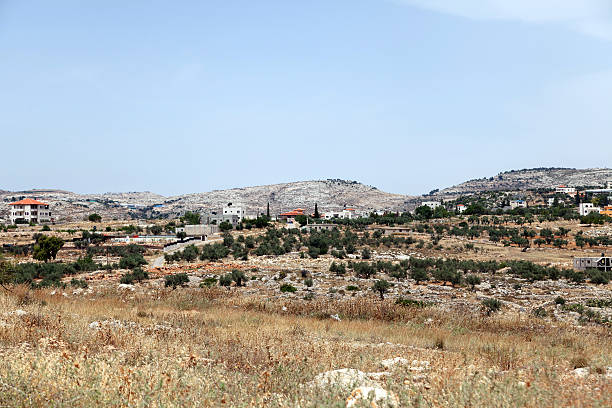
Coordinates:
<point>47,247</point>
<point>316,212</point>
<point>268,210</point>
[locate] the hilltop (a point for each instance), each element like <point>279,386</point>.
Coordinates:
<point>536,178</point>
<point>328,194</point>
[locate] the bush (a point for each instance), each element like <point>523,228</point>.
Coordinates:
<point>46,228</point>
<point>176,280</point>
<point>78,283</point>
<point>238,276</point>
<point>131,261</point>
<point>366,253</point>
<point>419,275</point>
<point>559,300</point>
<point>209,282</point>
<point>287,288</point>
<point>381,286</point>
<point>473,280</point>
<point>353,288</point>
<point>491,305</point>
<point>226,280</point>
<point>138,275</point>
<point>308,282</point>
<point>410,302</point>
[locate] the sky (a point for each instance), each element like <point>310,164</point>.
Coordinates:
<point>405,95</point>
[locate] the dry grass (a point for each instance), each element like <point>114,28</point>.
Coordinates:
<point>210,348</point>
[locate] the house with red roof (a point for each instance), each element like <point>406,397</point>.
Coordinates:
<point>291,214</point>
<point>28,210</point>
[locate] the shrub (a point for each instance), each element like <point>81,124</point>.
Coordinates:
<point>539,312</point>
<point>176,280</point>
<point>131,261</point>
<point>366,253</point>
<point>491,305</point>
<point>46,228</point>
<point>410,302</point>
<point>419,275</point>
<point>473,280</point>
<point>353,288</point>
<point>308,282</point>
<point>381,286</point>
<point>225,280</point>
<point>208,282</point>
<point>287,288</point>
<point>559,300</point>
<point>138,275</point>
<point>238,276</point>
<point>78,283</point>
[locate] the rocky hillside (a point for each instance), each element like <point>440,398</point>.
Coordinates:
<point>533,178</point>
<point>328,194</point>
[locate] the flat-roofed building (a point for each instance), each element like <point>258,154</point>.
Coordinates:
<point>603,263</point>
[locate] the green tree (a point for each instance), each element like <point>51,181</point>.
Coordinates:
<point>191,218</point>
<point>225,280</point>
<point>238,276</point>
<point>95,217</point>
<point>181,235</point>
<point>419,275</point>
<point>316,211</point>
<point>268,210</point>
<point>225,226</point>
<point>47,247</point>
<point>473,280</point>
<point>156,229</point>
<point>381,286</point>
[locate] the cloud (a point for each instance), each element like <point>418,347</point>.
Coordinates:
<point>591,17</point>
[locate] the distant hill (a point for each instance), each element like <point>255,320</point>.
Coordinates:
<point>527,179</point>
<point>331,194</point>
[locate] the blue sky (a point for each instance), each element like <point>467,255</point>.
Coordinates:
<point>406,95</point>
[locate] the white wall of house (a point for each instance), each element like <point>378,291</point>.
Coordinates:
<point>431,204</point>
<point>30,213</point>
<point>587,208</point>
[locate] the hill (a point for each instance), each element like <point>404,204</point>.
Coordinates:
<point>329,194</point>
<point>536,178</point>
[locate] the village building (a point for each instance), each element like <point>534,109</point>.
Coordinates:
<point>30,211</point>
<point>431,204</point>
<point>587,208</point>
<point>461,208</point>
<point>603,263</point>
<point>518,204</point>
<point>290,214</point>
<point>345,214</point>
<point>607,210</point>
<point>319,227</point>
<point>566,190</point>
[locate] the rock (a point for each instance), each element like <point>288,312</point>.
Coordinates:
<point>335,317</point>
<point>125,286</point>
<point>379,376</point>
<point>19,313</point>
<point>394,362</point>
<point>376,396</point>
<point>581,372</point>
<point>344,378</point>
<point>94,325</point>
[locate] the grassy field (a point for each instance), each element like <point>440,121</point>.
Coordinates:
<point>213,347</point>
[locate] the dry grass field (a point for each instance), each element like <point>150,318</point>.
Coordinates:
<point>214,347</point>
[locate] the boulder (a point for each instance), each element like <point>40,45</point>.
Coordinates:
<point>376,396</point>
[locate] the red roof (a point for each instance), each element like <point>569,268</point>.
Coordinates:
<point>28,201</point>
<point>297,211</point>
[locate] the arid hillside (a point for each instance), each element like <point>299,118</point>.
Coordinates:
<point>533,178</point>
<point>328,194</point>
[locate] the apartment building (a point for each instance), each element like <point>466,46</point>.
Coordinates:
<point>29,210</point>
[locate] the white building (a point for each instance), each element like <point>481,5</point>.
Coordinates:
<point>566,190</point>
<point>587,208</point>
<point>431,204</point>
<point>461,208</point>
<point>28,210</point>
<point>346,214</point>
<point>518,204</point>
<point>230,210</point>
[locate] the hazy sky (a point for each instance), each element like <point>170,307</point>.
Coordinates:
<point>407,95</point>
